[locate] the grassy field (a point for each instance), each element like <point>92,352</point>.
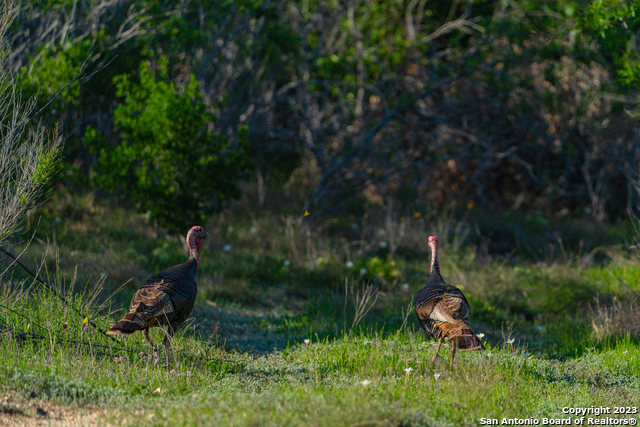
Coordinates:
<point>288,331</point>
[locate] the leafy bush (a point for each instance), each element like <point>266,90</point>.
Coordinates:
<point>169,161</point>
<point>378,269</point>
<point>615,26</point>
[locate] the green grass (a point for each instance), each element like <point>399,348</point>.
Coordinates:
<point>243,360</point>
<point>358,378</point>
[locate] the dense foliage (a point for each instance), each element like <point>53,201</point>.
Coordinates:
<point>616,27</point>
<point>523,105</point>
<point>168,160</point>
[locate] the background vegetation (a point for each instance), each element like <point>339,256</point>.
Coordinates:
<point>508,129</point>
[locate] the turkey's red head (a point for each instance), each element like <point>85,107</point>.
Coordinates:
<point>193,240</point>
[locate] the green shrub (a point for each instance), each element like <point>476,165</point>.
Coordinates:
<point>615,24</point>
<point>169,161</point>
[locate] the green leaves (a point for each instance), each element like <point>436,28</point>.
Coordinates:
<point>47,163</point>
<point>616,26</point>
<point>169,161</point>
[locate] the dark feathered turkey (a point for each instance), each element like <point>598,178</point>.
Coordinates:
<point>165,299</point>
<point>443,311</point>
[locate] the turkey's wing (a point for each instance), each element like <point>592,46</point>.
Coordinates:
<point>442,303</point>
<point>153,301</point>
<point>455,304</point>
<point>181,292</point>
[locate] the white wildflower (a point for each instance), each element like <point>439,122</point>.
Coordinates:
<point>307,342</point>
<point>407,370</point>
<point>349,264</point>
<point>489,354</point>
<point>365,382</point>
<point>510,341</point>
<point>436,376</point>
<point>480,335</point>
<point>226,248</point>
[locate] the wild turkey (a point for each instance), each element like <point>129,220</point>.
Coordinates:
<point>443,310</point>
<point>165,299</point>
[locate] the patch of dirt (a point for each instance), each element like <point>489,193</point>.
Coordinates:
<point>18,411</point>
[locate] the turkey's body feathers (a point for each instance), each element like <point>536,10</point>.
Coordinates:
<point>165,299</point>
<point>443,311</point>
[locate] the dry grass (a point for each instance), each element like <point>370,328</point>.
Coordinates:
<point>616,319</point>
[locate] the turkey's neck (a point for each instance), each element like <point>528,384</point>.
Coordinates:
<point>193,248</point>
<point>434,258</point>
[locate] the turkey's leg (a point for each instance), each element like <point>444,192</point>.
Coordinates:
<point>453,353</point>
<point>167,345</point>
<point>437,350</point>
<point>153,346</point>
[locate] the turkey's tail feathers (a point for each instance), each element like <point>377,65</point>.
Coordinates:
<point>467,340</point>
<point>128,325</point>
<point>462,335</point>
